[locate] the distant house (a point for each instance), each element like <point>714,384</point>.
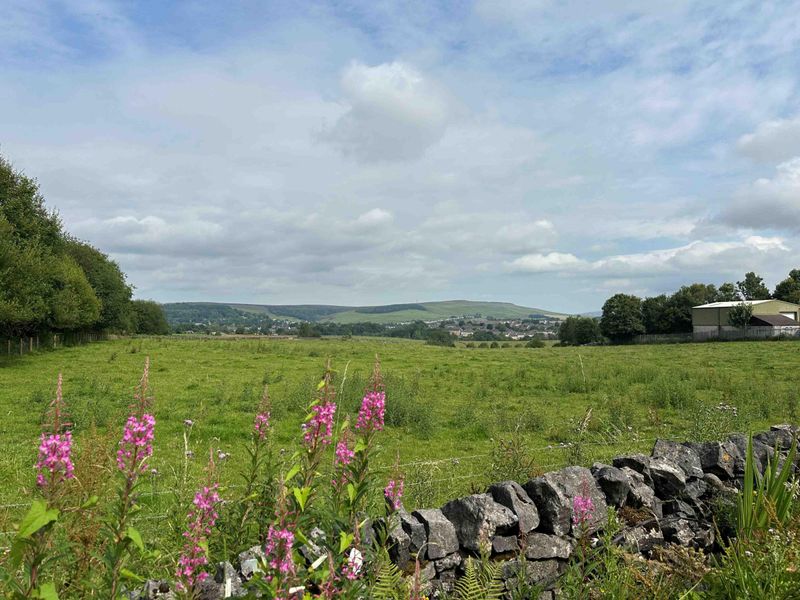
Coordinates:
<point>771,318</point>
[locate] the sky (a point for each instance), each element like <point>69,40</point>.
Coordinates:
<point>545,152</point>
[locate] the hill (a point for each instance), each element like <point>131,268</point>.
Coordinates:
<point>188,312</point>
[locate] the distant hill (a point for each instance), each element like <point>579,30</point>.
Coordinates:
<point>191,312</point>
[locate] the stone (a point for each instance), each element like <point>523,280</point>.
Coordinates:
<point>677,507</point>
<point>314,547</point>
<point>448,562</point>
<point>250,561</point>
<point>669,480</point>
<point>228,580</point>
<point>641,539</point>
<point>695,487</point>
<point>505,543</point>
<point>683,456</point>
<point>553,494</point>
<point>511,495</point>
<point>539,572</point>
<point>440,533</point>
<point>157,588</point>
<point>541,546</point>
<point>715,457</point>
<point>678,531</point>
<point>640,495</point>
<point>714,484</point>
<point>777,438</point>
<point>399,545</point>
<point>614,482</point>
<point>477,518</point>
<point>638,462</point>
<point>414,529</point>
<point>427,572</point>
<point>761,454</point>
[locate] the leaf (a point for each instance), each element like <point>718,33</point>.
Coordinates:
<point>292,472</point>
<point>90,503</point>
<point>360,446</point>
<point>131,576</point>
<point>345,539</point>
<point>38,516</point>
<point>46,591</point>
<point>351,492</point>
<point>301,495</point>
<point>133,535</point>
<point>320,559</point>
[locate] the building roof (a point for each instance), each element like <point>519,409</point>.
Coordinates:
<point>730,304</point>
<point>773,320</point>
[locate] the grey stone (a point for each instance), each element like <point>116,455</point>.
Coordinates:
<point>505,543</point>
<point>641,539</point>
<point>539,572</point>
<point>441,533</point>
<point>678,531</point>
<point>427,572</point>
<point>695,487</point>
<point>229,581</point>
<point>399,545</point>
<point>554,492</point>
<point>676,507</point>
<point>638,462</point>
<point>683,456</point>
<point>414,529</point>
<point>477,518</point>
<point>715,457</point>
<point>669,480</point>
<point>250,561</point>
<point>716,485</point>
<point>614,482</point>
<point>448,562</point>
<point>157,588</point>
<point>511,495</point>
<point>777,437</point>
<point>640,494</point>
<point>314,546</point>
<point>761,454</point>
<point>541,546</point>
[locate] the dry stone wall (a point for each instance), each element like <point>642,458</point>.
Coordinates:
<point>673,491</point>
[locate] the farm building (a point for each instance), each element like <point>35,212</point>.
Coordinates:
<point>771,318</point>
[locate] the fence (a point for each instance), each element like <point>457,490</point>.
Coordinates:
<point>750,333</point>
<point>48,341</point>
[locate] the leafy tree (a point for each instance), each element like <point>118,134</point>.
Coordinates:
<point>727,293</point>
<point>440,337</point>
<point>587,331</point>
<point>655,314</point>
<point>307,330</point>
<point>622,318</point>
<point>566,331</point>
<point>73,304</point>
<point>739,315</point>
<point>679,306</point>
<point>108,283</point>
<point>788,290</point>
<point>753,288</point>
<point>149,317</point>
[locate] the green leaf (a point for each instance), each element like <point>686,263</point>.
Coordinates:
<point>345,539</point>
<point>91,502</point>
<point>292,472</point>
<point>301,495</point>
<point>360,446</point>
<point>38,516</point>
<point>131,576</point>
<point>351,492</point>
<point>133,535</point>
<point>46,591</point>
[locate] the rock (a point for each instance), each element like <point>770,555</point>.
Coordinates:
<point>157,588</point>
<point>676,507</point>
<point>414,529</point>
<point>541,546</point>
<point>427,572</point>
<point>448,562</point>
<point>638,462</point>
<point>761,454</point>
<point>250,561</point>
<point>641,539</point>
<point>677,531</point>
<point>505,543</point>
<point>695,487</point>
<point>314,547</point>
<point>614,483</point>
<point>538,572</point>
<point>399,545</point>
<point>714,484</point>
<point>511,495</point>
<point>777,437</point>
<point>669,480</point>
<point>715,457</point>
<point>477,518</point>
<point>683,456</point>
<point>640,495</point>
<point>553,494</point>
<point>228,580</point>
<point>441,533</point>
<point>367,531</point>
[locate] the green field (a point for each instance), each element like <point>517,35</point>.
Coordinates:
<point>450,405</point>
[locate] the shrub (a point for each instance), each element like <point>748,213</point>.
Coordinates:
<point>535,343</point>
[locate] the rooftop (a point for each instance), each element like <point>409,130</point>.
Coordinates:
<point>729,304</point>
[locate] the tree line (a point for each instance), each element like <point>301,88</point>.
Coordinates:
<point>53,282</point>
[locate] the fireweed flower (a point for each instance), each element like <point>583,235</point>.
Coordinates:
<point>55,463</point>
<point>344,455</point>
<point>353,565</point>
<point>137,443</point>
<point>202,519</point>
<point>319,429</point>
<point>261,425</point>
<point>278,550</point>
<point>582,509</point>
<point>393,492</point>
<point>370,415</point>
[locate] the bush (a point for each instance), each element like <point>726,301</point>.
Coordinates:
<point>494,345</point>
<point>535,343</point>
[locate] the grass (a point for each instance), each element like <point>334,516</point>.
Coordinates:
<point>446,407</point>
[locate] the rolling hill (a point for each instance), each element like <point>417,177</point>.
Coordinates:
<point>188,312</point>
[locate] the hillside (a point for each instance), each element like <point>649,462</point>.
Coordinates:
<point>187,312</point>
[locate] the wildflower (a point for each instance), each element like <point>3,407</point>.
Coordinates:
<point>137,442</point>
<point>393,492</point>
<point>222,455</point>
<point>582,509</point>
<point>55,463</point>
<point>355,561</point>
<point>188,423</point>
<point>344,455</point>
<point>154,472</point>
<point>319,428</point>
<point>261,425</point>
<point>371,413</point>
<point>279,550</point>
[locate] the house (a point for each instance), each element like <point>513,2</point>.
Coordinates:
<point>771,318</point>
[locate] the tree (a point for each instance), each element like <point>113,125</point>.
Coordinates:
<point>752,287</point>
<point>679,306</point>
<point>622,318</point>
<point>307,330</point>
<point>587,331</point>
<point>788,290</point>
<point>655,314</point>
<point>739,315</point>
<point>727,293</point>
<point>566,331</point>
<point>73,304</point>
<point>149,317</point>
<point>440,337</point>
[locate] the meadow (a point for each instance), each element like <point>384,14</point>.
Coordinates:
<point>457,418</point>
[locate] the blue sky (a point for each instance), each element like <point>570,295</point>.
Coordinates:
<point>548,153</point>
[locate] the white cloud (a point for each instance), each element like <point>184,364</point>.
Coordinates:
<point>544,263</point>
<point>773,141</point>
<point>394,113</point>
<point>376,216</point>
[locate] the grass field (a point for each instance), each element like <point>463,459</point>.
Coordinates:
<point>448,409</point>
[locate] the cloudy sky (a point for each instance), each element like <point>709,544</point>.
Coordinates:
<point>545,152</point>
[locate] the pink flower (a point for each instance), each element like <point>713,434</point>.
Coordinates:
<point>137,443</point>
<point>393,492</point>
<point>355,561</point>
<point>319,428</point>
<point>261,425</point>
<point>279,550</point>
<point>55,463</point>
<point>202,519</point>
<point>582,509</point>
<point>370,416</point>
<point>344,455</point>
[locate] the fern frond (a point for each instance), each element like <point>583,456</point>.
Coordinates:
<point>481,581</point>
<point>389,583</point>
